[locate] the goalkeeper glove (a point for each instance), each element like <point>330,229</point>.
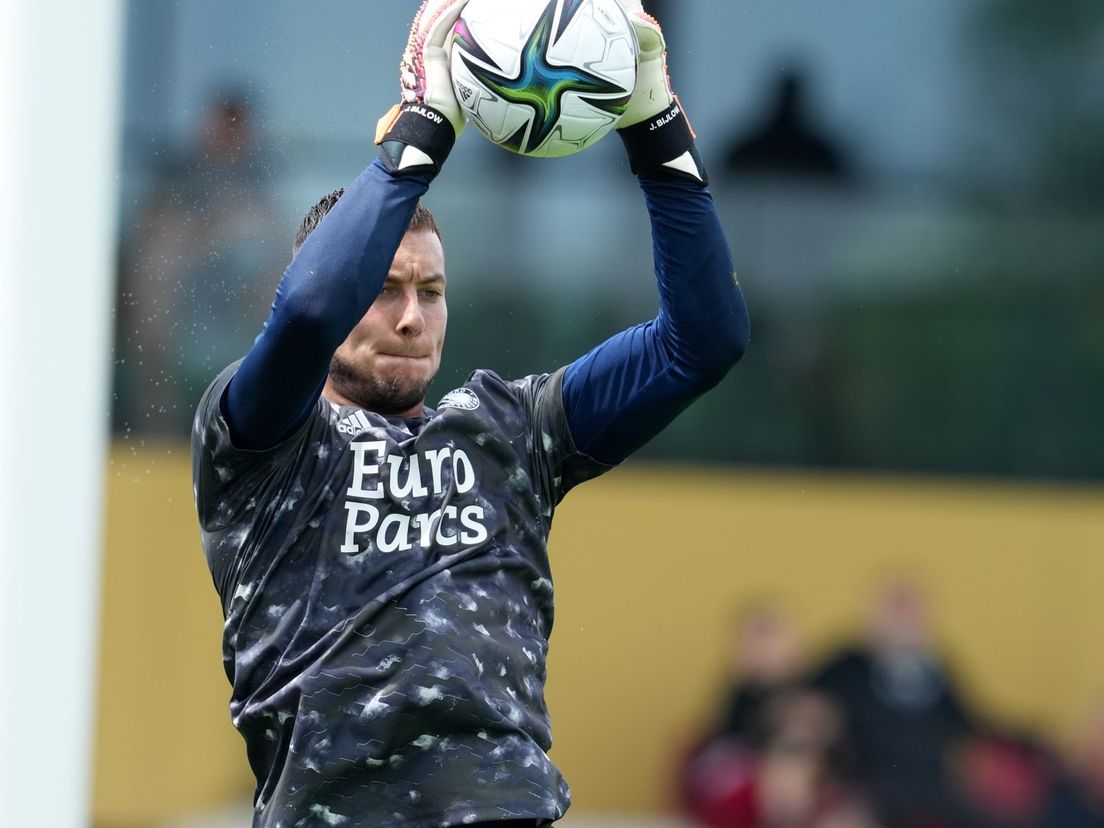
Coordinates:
<point>654,128</point>
<point>416,136</point>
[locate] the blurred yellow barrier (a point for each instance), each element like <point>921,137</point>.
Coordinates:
<point>165,745</point>
<point>650,563</point>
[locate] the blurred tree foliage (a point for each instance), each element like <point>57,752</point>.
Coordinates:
<point>1040,68</point>
<point>998,373</point>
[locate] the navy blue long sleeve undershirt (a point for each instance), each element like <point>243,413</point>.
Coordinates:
<point>617,397</point>
<point>628,389</point>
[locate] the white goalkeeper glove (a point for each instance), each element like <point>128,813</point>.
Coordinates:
<point>416,136</point>
<point>654,127</point>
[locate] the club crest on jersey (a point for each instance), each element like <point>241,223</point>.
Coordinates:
<point>462,398</point>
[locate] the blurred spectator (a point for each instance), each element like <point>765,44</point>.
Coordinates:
<point>767,661</point>
<point>878,735</point>
<point>798,783</point>
<point>786,140</point>
<point>773,760</point>
<point>904,714</point>
<point>791,780</point>
<point>197,272</point>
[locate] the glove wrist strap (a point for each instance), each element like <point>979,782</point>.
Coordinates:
<point>415,139</point>
<point>663,147</point>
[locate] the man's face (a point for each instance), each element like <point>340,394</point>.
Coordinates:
<point>387,362</point>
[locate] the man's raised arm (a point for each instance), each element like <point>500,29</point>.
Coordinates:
<point>628,389</point>
<point>339,271</point>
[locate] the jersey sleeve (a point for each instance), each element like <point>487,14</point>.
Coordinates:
<point>563,465</point>
<point>228,479</point>
<point>540,430</point>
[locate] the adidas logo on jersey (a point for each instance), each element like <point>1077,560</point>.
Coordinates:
<point>354,424</point>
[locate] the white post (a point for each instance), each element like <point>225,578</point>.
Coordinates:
<point>60,72</point>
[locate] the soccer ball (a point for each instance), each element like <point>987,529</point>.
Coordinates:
<point>543,78</point>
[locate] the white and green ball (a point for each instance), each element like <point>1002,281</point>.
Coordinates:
<point>543,78</point>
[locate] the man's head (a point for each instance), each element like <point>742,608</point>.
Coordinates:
<point>389,359</point>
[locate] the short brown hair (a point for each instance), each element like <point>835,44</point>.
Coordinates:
<point>422,220</point>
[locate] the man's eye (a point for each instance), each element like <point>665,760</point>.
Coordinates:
<point>431,293</point>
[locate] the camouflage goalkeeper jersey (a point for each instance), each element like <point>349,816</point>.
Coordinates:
<point>388,602</point>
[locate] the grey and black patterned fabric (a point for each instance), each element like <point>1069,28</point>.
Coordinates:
<point>388,603</point>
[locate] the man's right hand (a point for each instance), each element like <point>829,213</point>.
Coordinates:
<point>416,136</point>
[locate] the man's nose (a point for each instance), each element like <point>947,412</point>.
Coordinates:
<point>411,320</point>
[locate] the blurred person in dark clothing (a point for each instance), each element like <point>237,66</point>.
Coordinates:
<point>786,139</point>
<point>791,779</point>
<point>767,660</point>
<point>189,287</point>
<point>764,662</point>
<point>774,757</point>
<point>798,781</point>
<point>904,714</point>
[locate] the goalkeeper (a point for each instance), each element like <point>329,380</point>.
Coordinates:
<point>382,565</point>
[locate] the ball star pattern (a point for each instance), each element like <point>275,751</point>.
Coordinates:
<point>539,84</point>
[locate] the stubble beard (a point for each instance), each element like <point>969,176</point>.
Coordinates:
<point>389,396</point>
